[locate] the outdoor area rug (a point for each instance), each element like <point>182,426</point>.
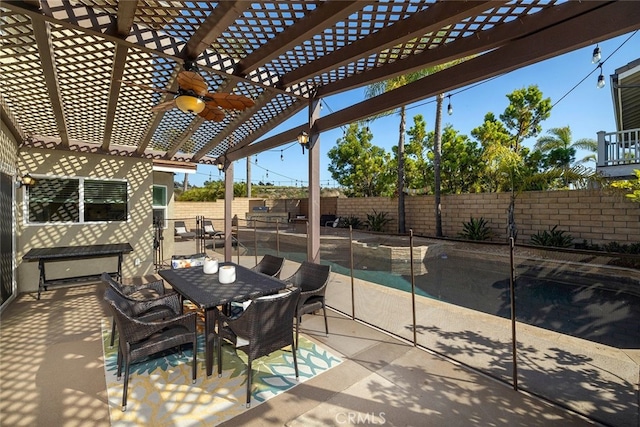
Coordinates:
<point>161,392</point>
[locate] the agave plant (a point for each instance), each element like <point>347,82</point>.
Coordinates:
<point>352,221</point>
<point>377,220</point>
<point>553,237</point>
<point>476,229</point>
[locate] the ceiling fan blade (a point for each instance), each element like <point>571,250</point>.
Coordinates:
<point>229,101</point>
<point>141,86</point>
<point>164,106</point>
<point>212,113</point>
<point>188,80</point>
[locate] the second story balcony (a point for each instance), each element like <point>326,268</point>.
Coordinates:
<point>619,152</point>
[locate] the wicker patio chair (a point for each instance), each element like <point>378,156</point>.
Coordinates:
<point>270,265</point>
<point>312,280</point>
<point>140,339</point>
<point>151,300</point>
<point>264,327</point>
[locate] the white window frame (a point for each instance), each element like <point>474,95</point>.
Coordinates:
<point>81,221</point>
<point>165,207</point>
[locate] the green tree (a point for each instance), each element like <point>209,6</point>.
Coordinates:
<point>559,152</point>
<point>379,88</point>
<point>418,171</point>
<point>360,167</point>
<point>504,154</point>
<point>631,187</point>
<point>496,155</point>
<point>209,192</point>
<point>460,160</point>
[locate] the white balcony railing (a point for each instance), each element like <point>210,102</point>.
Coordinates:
<point>619,152</point>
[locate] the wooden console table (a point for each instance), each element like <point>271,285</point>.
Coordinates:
<point>44,255</point>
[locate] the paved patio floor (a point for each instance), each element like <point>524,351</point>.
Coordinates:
<point>51,374</point>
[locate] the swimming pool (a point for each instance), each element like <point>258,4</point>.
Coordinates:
<point>590,306</point>
<point>592,302</point>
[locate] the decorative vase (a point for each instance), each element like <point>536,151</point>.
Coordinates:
<point>227,274</point>
<point>210,266</point>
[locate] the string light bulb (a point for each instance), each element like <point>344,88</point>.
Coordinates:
<point>449,107</point>
<point>601,81</point>
<point>597,55</point>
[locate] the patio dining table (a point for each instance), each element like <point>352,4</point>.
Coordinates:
<point>207,293</point>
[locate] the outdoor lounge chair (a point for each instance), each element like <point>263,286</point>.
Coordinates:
<point>139,339</point>
<point>312,280</point>
<point>210,231</point>
<point>264,327</point>
<point>181,230</point>
<point>333,223</point>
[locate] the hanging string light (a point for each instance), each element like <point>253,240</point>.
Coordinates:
<point>601,81</point>
<point>256,159</point>
<point>449,107</point>
<point>282,155</point>
<point>597,54</point>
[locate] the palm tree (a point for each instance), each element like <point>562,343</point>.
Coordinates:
<point>437,155</point>
<point>560,150</point>
<point>379,88</point>
<point>560,138</point>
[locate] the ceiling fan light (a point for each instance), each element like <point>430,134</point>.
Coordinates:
<point>190,104</point>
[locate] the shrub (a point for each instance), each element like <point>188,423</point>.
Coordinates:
<point>377,220</point>
<point>553,237</point>
<point>633,248</point>
<point>476,229</point>
<point>352,221</point>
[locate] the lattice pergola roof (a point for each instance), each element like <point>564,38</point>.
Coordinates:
<point>63,62</point>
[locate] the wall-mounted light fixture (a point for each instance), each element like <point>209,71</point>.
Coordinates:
<point>26,180</point>
<point>303,140</point>
<point>221,164</point>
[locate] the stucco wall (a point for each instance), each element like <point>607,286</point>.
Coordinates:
<point>138,230</point>
<point>8,155</point>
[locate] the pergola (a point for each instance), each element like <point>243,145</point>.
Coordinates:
<point>63,63</point>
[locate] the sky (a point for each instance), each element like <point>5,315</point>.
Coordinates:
<point>569,80</point>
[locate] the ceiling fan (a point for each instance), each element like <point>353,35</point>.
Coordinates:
<point>193,96</point>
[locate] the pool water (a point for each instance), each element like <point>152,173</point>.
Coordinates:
<point>580,305</point>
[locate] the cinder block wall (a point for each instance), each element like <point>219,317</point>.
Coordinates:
<point>361,206</point>
<point>592,215</point>
<point>187,211</point>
